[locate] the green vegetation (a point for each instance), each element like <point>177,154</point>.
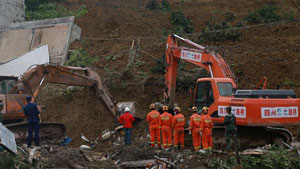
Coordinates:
<point>32,5</point>
<point>275,159</point>
<point>44,9</point>
<point>8,161</point>
<point>153,5</point>
<point>268,14</point>
<point>220,31</point>
<point>181,23</point>
<point>186,78</point>
<point>265,14</point>
<point>80,57</point>
<point>160,66</point>
<point>165,5</point>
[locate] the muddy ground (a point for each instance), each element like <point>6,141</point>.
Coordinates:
<point>110,27</point>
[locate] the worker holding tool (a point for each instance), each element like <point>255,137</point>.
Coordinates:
<point>178,126</point>
<point>153,119</point>
<point>32,112</point>
<point>206,126</point>
<point>126,119</point>
<point>195,121</point>
<point>165,123</point>
<point>230,127</point>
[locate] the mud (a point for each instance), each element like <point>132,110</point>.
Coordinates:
<point>108,30</point>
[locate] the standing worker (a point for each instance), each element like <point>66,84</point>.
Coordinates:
<point>178,126</point>
<point>153,119</point>
<point>230,127</point>
<point>32,112</point>
<point>126,119</point>
<point>165,123</point>
<point>206,129</point>
<point>1,107</point>
<point>195,121</point>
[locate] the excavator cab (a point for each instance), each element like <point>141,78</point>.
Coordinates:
<point>212,91</point>
<point>204,94</point>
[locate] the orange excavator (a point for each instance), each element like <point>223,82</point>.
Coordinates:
<point>30,83</point>
<point>260,114</point>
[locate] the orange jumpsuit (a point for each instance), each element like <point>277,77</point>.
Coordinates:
<point>153,119</point>
<point>165,122</point>
<point>195,121</point>
<point>178,126</point>
<point>206,128</point>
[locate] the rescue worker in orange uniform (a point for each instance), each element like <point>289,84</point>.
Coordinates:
<point>165,123</point>
<point>195,121</point>
<point>178,126</point>
<point>153,119</point>
<point>206,130</point>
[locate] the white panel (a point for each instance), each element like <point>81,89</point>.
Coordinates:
<point>21,64</point>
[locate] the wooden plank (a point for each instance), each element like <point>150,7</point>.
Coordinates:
<point>140,163</point>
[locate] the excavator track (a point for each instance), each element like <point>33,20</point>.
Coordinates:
<point>48,131</point>
<point>253,136</point>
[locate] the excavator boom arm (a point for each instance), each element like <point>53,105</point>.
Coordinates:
<point>198,55</point>
<point>31,82</point>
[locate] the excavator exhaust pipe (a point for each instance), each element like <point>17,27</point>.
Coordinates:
<point>133,109</point>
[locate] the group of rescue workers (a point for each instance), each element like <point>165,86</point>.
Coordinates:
<point>166,125</point>
<point>200,127</point>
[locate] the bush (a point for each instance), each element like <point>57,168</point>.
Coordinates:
<point>8,161</point>
<point>152,5</point>
<point>160,66</point>
<point>46,11</point>
<point>181,23</point>
<point>217,32</point>
<point>32,5</point>
<point>165,5</point>
<point>80,58</point>
<point>266,14</point>
<point>274,159</point>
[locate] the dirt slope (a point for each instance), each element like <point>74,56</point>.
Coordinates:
<point>109,29</point>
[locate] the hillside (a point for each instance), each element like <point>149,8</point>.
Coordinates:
<point>110,27</point>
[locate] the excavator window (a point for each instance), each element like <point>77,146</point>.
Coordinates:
<point>225,88</point>
<point>204,94</point>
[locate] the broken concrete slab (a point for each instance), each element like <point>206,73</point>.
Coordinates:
<point>7,139</point>
<point>19,38</point>
<point>18,66</point>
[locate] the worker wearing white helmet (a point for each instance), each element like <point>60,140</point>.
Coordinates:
<point>126,119</point>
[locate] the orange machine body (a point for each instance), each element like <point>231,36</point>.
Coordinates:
<point>251,111</point>
<point>217,92</point>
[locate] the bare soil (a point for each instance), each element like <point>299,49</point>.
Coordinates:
<point>110,27</point>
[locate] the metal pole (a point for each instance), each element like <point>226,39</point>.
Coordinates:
<point>210,70</point>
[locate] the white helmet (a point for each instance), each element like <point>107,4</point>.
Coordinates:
<point>127,109</point>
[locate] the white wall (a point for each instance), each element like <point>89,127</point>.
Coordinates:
<point>21,64</point>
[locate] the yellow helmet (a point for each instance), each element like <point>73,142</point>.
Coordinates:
<point>205,109</point>
<point>178,109</point>
<point>194,109</point>
<point>165,108</point>
<point>152,106</point>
